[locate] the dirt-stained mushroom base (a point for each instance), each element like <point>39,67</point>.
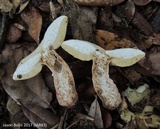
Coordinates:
<point>103,85</point>
<point>63,79</point>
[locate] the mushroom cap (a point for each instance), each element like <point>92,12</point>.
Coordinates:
<point>80,49</point>
<point>55,33</point>
<point>28,69</point>
<point>125,56</point>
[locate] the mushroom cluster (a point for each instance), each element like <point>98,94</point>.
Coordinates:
<point>103,84</point>
<point>45,54</point>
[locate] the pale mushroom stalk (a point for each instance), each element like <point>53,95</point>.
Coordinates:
<point>45,54</point>
<point>63,79</point>
<point>105,88</point>
<point>103,85</point>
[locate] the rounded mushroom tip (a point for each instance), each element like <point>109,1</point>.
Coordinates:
<point>63,19</point>
<point>82,50</point>
<point>16,76</point>
<point>125,56</point>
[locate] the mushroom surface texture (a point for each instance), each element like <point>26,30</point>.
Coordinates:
<point>103,84</point>
<point>45,54</point>
<point>32,64</point>
<point>63,79</point>
<point>125,56</point>
<point>82,50</point>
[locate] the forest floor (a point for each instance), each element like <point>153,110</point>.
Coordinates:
<point>34,103</point>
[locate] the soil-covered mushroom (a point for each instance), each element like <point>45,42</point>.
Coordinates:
<point>103,84</point>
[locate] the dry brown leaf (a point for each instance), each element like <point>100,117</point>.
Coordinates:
<point>95,113</point>
<point>44,6</point>
<point>38,87</point>
<point>141,2</point>
<point>156,21</point>
<point>19,119</point>
<point>155,64</point>
<point>155,99</point>
<point>155,40</point>
<point>16,4</point>
<point>132,75</point>
<point>40,117</point>
<point>130,125</point>
<point>13,107</point>
<point>82,121</point>
<point>86,90</point>
<point>13,34</point>
<point>23,5</point>
<point>127,11</point>
<point>81,23</point>
<point>110,41</point>
<point>138,95</point>
<point>140,123</point>
<point>33,19</point>
<point>5,6</point>
<point>98,2</point>
<point>105,18</point>
<point>142,24</point>
<point>107,119</point>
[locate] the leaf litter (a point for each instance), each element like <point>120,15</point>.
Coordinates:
<point>33,101</point>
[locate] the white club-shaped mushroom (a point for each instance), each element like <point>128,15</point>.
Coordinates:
<point>53,38</point>
<point>45,54</point>
<point>103,85</point>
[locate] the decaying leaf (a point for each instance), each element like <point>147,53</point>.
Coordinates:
<point>13,34</point>
<point>52,10</point>
<point>39,88</point>
<point>156,21</point>
<point>127,11</point>
<point>3,27</point>
<point>5,6</point>
<point>23,5</point>
<point>13,107</point>
<point>145,119</point>
<point>107,119</point>
<point>95,113</point>
<point>33,19</point>
<point>136,95</point>
<point>140,123</point>
<point>142,24</point>
<point>40,117</point>
<point>98,2</point>
<point>16,4</point>
<point>82,121</point>
<point>110,41</point>
<point>130,125</point>
<point>155,64</point>
<point>155,99</point>
<point>141,2</point>
<point>132,75</point>
<point>82,25</point>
